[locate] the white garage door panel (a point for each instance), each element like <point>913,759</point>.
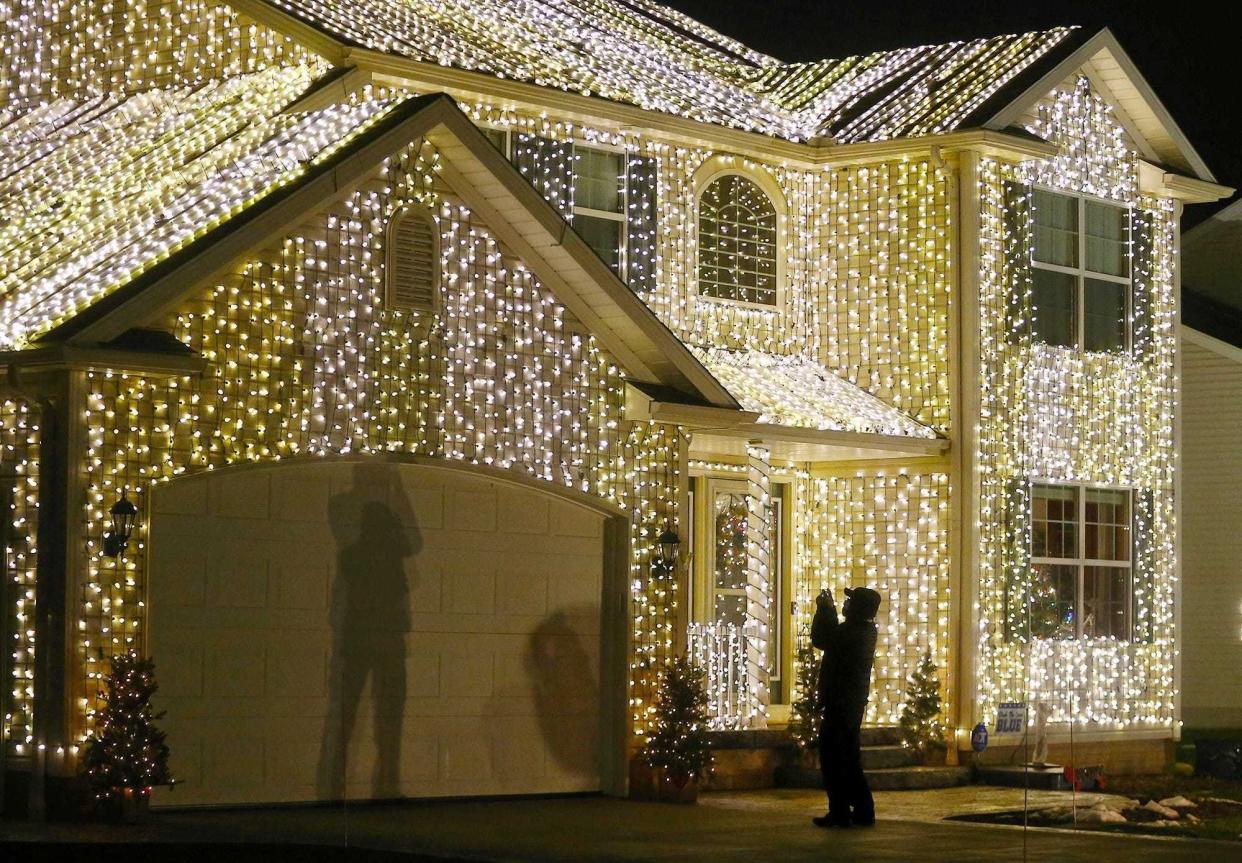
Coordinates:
<point>450,624</point>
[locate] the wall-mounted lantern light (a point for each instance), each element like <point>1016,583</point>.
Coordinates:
<point>670,548</point>
<point>124,514</point>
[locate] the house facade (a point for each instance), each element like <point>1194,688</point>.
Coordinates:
<point>411,330</point>
<point>1211,470</point>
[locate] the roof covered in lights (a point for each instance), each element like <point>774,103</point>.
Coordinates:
<point>644,54</point>
<point>112,208</point>
<point>800,393</point>
<point>94,193</point>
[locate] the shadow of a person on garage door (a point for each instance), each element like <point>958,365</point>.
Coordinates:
<point>375,530</point>
<point>562,661</point>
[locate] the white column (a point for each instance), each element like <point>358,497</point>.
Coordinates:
<point>758,577</point>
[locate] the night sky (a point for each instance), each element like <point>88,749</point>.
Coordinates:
<point>1189,53</point>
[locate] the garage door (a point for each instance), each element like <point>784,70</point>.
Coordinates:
<point>374,630</point>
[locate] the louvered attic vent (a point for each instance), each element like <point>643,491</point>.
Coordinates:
<point>413,261</point>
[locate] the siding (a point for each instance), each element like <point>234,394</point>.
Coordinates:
<point>1211,538</point>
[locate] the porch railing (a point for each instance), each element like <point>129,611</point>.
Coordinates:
<point>720,650</point>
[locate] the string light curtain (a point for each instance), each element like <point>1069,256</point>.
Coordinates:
<point>759,594</point>
<point>55,49</point>
<point>549,165</point>
<point>887,289</point>
<point>887,530</point>
<point>1060,414</point>
<point>19,449</point>
<point>304,360</point>
<point>641,223</point>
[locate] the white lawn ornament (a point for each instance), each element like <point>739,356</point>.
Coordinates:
<point>1042,711</point>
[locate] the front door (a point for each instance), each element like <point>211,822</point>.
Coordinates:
<point>721,576</point>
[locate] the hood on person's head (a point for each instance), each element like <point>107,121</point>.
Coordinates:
<point>862,603</point>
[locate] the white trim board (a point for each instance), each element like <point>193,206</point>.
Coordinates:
<point>1211,343</point>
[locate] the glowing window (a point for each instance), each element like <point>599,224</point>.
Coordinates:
<point>1081,257</point>
<point>599,203</point>
<point>1081,554</point>
<point>737,242</point>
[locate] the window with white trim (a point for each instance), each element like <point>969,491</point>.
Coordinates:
<point>737,242</point>
<point>1081,272</point>
<point>1082,556</point>
<point>599,203</point>
<point>412,261</point>
<point>597,200</point>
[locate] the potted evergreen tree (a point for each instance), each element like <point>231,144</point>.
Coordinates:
<point>127,756</point>
<point>677,750</point>
<point>920,727</point>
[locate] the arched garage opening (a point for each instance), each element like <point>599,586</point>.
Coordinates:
<point>373,628</point>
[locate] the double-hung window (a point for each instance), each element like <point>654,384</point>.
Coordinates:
<point>1081,552</point>
<point>599,203</point>
<point>1081,272</point>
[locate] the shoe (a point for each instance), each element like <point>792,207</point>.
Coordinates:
<point>830,820</point>
<point>868,821</point>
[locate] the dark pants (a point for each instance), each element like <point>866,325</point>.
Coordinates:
<point>840,760</point>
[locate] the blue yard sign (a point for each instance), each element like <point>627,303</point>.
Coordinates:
<point>1011,717</point>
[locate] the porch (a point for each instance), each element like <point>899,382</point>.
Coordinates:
<point>815,484</point>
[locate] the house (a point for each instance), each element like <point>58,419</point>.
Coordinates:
<point>412,329</point>
<point>1211,374</point>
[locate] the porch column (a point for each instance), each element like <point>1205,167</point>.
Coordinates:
<point>758,581</point>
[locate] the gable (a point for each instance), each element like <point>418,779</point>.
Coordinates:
<point>1101,60</point>
<point>125,233</point>
<point>499,370</point>
<point>1094,154</point>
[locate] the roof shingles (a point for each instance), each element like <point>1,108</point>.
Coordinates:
<point>94,193</point>
<point>797,392</point>
<point>641,53</point>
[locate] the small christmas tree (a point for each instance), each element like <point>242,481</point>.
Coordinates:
<point>128,752</point>
<point>805,713</point>
<point>678,742</point>
<point>920,727</point>
<point>1048,617</point>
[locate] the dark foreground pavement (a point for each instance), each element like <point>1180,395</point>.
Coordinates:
<point>588,828</point>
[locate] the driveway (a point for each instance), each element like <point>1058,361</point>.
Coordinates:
<point>761,825</point>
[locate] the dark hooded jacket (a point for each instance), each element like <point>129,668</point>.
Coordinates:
<point>849,652</point>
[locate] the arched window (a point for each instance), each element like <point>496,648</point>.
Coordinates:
<point>412,261</point>
<point>737,241</point>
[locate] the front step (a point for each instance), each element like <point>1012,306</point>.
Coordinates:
<point>880,735</point>
<point>887,757</point>
<point>912,778</point>
<point>759,758</point>
<point>881,779</point>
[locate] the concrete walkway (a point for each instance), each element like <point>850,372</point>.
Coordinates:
<point>770,825</point>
